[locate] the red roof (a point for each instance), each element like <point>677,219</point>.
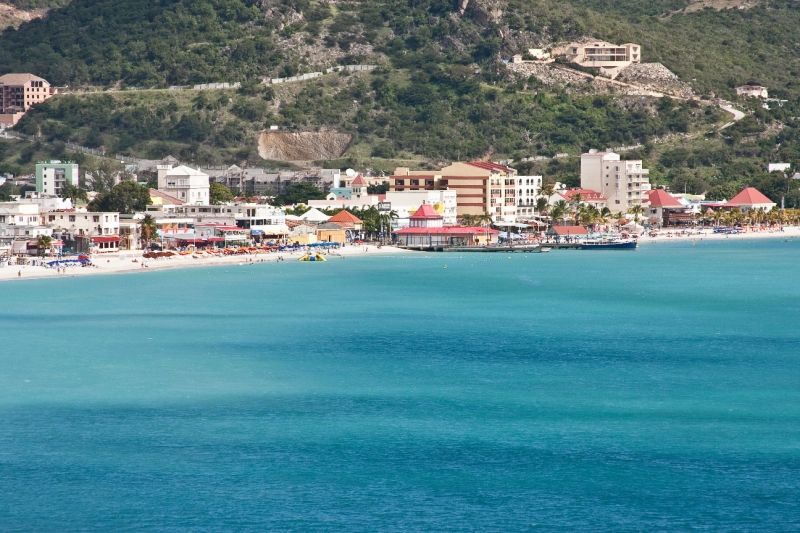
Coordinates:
<point>450,230</point>
<point>570,230</point>
<point>345,216</point>
<point>108,238</point>
<point>748,197</point>
<point>358,181</point>
<point>426,211</point>
<point>661,198</point>
<point>489,166</point>
<point>587,194</point>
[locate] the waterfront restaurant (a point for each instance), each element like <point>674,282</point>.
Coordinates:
<point>426,229</point>
<point>567,232</point>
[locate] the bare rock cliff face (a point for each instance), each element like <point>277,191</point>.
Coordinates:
<point>304,146</point>
<point>13,16</point>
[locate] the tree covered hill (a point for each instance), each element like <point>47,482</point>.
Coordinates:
<point>441,93</point>
<point>166,42</point>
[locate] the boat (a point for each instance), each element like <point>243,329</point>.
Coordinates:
<point>310,257</point>
<point>609,244</point>
<point>544,249</point>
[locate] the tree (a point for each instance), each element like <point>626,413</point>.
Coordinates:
<point>541,205</point>
<point>43,242</point>
<point>219,194</point>
<point>299,193</point>
<point>103,176</point>
<point>636,211</point>
<point>74,193</point>
<point>148,230</point>
<point>125,197</point>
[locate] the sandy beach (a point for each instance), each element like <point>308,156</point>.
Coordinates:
<point>130,261</point>
<point>708,234</point>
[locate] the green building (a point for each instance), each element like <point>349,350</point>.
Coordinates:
<point>51,177</point>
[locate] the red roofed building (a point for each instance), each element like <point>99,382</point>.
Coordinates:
<point>481,187</point>
<point>567,232</point>
<point>750,198</point>
<point>666,210</point>
<point>346,220</point>
<point>426,217</point>
<point>588,196</point>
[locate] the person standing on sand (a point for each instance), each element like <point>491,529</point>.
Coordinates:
<point>19,273</point>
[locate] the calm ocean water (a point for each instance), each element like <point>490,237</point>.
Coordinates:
<point>656,390</point>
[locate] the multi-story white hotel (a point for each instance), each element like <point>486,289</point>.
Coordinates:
<point>188,185</point>
<point>528,188</point>
<point>623,184</point>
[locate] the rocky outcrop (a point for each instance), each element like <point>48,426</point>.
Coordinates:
<point>656,77</point>
<point>304,146</point>
<point>13,16</point>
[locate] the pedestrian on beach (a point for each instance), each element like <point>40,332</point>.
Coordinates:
<point>19,273</point>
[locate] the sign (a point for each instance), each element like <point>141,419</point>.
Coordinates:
<point>384,206</point>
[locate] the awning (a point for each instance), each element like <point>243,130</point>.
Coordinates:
<point>256,232</point>
<point>215,239</point>
<point>110,238</point>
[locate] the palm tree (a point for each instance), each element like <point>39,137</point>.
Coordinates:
<point>541,205</point>
<point>563,210</point>
<point>468,220</point>
<point>43,243</point>
<point>148,230</point>
<point>548,190</point>
<point>636,211</point>
<point>485,218</point>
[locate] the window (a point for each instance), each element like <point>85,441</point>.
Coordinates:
<point>72,218</point>
<point>96,218</point>
<point>616,201</point>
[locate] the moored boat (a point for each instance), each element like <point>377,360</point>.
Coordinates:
<point>609,244</point>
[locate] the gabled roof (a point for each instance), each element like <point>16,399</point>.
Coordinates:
<point>183,170</point>
<point>485,165</point>
<point>661,198</point>
<point>587,194</point>
<point>314,215</point>
<point>568,230</point>
<point>358,181</point>
<point>749,196</point>
<point>426,211</point>
<point>19,79</point>
<point>330,225</point>
<point>166,197</point>
<point>345,216</point>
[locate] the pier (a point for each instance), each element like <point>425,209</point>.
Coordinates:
<point>520,248</point>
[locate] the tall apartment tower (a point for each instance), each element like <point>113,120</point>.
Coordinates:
<point>624,184</point>
<point>51,177</point>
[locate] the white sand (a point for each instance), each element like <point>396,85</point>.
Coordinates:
<point>708,234</point>
<point>124,262</point>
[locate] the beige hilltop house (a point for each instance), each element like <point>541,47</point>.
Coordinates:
<point>609,59</point>
<point>18,92</point>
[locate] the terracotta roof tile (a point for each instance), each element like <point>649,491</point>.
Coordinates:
<point>749,196</point>
<point>661,198</point>
<point>345,216</point>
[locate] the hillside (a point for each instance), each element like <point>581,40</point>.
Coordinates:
<point>441,93</point>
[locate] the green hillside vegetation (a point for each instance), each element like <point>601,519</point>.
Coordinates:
<point>442,94</point>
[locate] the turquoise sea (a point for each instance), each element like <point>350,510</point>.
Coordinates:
<point>655,390</point>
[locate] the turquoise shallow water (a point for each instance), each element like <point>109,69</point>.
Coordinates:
<point>656,390</point>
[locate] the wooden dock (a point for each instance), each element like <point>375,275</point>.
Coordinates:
<point>520,248</point>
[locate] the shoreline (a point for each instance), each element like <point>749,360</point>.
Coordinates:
<point>123,262</point>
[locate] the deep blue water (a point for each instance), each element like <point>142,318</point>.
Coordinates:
<point>656,390</point>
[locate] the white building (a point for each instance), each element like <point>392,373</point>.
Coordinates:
<point>406,203</point>
<point>21,221</point>
<point>188,185</point>
<point>624,184</point>
<point>264,221</point>
<point>752,91</point>
<point>528,188</point>
<point>53,176</point>
<point>778,167</point>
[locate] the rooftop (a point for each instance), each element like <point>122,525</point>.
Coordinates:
<point>748,197</point>
<point>19,79</point>
<point>661,198</point>
<point>489,166</point>
<point>345,216</point>
<point>426,211</point>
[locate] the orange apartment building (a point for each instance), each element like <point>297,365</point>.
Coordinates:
<point>481,187</point>
<point>18,92</point>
